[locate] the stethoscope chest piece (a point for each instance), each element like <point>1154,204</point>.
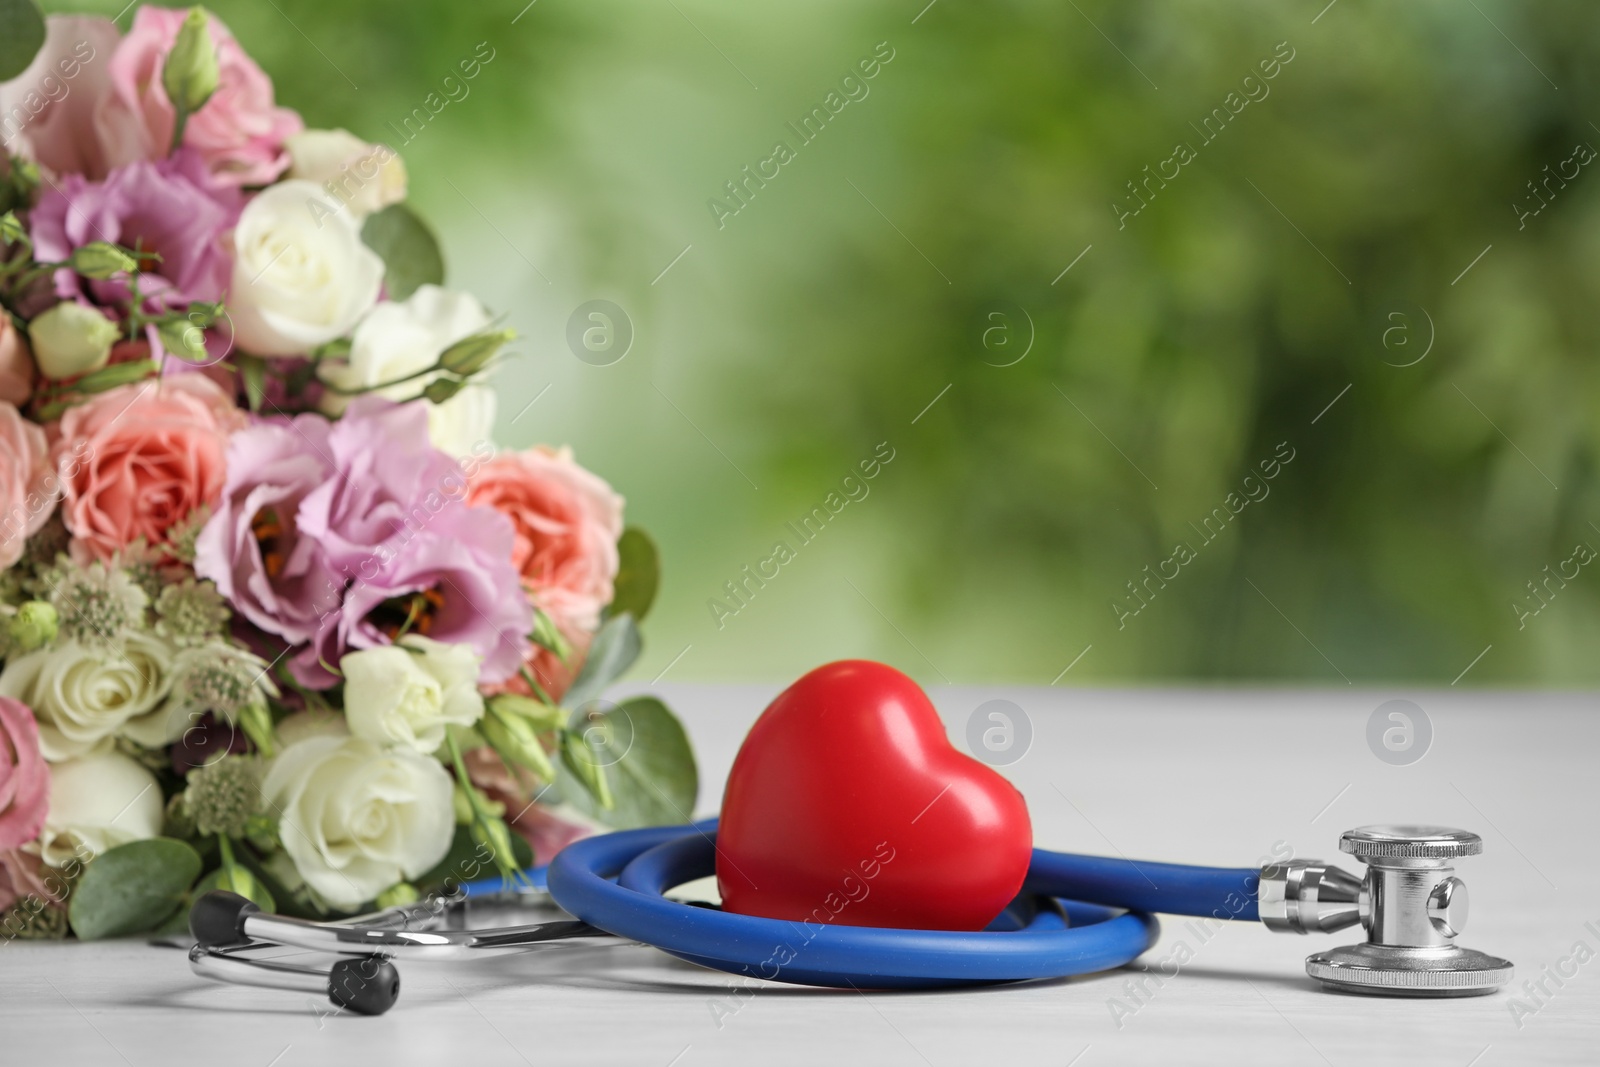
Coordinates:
<point>1413,907</point>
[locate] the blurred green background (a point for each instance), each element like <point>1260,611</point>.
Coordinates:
<point>1316,251</point>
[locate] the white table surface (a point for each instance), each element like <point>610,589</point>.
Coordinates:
<point>1188,776</point>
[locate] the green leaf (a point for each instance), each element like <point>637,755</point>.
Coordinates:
<point>21,36</point>
<point>615,648</point>
<point>410,251</point>
<point>643,753</point>
<point>638,577</point>
<point>132,888</point>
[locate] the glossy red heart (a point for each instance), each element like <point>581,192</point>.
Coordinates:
<point>847,804</point>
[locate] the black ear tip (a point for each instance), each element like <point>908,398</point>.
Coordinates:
<point>217,919</point>
<point>367,985</point>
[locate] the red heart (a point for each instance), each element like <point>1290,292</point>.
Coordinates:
<point>848,804</point>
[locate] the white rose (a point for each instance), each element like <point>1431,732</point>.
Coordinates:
<point>301,276</point>
<point>407,694</point>
<point>84,695</point>
<point>400,339</point>
<point>364,177</point>
<point>356,818</point>
<point>97,803</point>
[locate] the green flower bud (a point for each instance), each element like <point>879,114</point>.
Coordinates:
<point>190,73</point>
<point>397,894</point>
<point>515,738</point>
<point>547,635</point>
<point>11,228</point>
<point>100,260</point>
<point>441,389</point>
<point>135,370</point>
<point>71,339</point>
<point>184,339</point>
<point>33,626</point>
<point>493,833</point>
<point>540,715</point>
<point>470,355</point>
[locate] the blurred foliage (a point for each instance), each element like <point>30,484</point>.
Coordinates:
<point>1255,289</point>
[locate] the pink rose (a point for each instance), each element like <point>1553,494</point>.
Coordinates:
<point>54,113</point>
<point>28,486</point>
<point>139,459</point>
<point>17,370</point>
<point>24,778</point>
<point>566,521</point>
<point>20,878</point>
<point>239,132</point>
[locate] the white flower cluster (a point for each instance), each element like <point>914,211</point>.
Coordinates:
<point>365,805</point>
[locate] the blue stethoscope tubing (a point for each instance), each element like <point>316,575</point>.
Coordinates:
<point>1101,918</point>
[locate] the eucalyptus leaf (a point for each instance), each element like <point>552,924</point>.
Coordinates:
<point>612,652</point>
<point>639,575</point>
<point>648,764</point>
<point>21,36</point>
<point>132,888</point>
<point>410,251</point>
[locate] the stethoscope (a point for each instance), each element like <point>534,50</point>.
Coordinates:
<point>1075,915</point>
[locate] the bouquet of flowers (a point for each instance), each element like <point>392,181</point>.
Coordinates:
<point>275,614</point>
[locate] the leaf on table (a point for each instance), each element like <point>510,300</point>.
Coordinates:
<point>132,888</point>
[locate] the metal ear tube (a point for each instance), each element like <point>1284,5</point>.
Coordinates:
<point>1411,904</point>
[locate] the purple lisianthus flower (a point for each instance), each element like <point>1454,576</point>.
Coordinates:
<point>252,546</point>
<point>170,208</point>
<point>337,536</point>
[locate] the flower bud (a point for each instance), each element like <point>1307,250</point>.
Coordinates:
<point>100,260</point>
<point>540,715</point>
<point>135,370</point>
<point>33,626</point>
<point>71,339</point>
<point>441,389</point>
<point>470,355</point>
<point>190,73</point>
<point>516,740</point>
<point>183,339</point>
<point>399,893</point>
<point>11,228</point>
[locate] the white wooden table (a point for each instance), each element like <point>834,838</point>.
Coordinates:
<point>1190,776</point>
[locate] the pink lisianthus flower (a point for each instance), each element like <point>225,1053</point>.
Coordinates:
<point>172,209</point>
<point>28,487</point>
<point>341,536</point>
<point>252,547</point>
<point>239,133</point>
<point>24,777</point>
<point>54,112</point>
<point>566,520</point>
<point>137,460</point>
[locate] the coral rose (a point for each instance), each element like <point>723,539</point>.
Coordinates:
<point>28,487</point>
<point>567,522</point>
<point>138,460</point>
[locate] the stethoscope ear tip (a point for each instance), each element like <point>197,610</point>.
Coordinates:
<point>217,919</point>
<point>366,985</point>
